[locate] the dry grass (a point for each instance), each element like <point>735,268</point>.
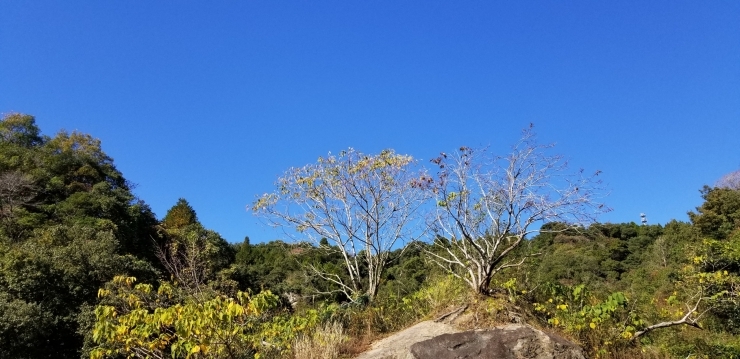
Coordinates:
<point>485,312</point>
<point>637,353</point>
<point>355,346</point>
<point>324,343</point>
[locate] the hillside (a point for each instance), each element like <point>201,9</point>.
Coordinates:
<point>87,270</point>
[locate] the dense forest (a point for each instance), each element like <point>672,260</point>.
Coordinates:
<point>377,243</point>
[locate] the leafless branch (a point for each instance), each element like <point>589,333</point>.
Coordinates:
<point>691,318</point>
<point>730,181</point>
<point>363,205</point>
<point>488,205</point>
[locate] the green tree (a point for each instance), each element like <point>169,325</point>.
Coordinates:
<point>281,268</point>
<point>179,216</point>
<point>719,215</point>
<point>192,254</point>
<point>717,260</point>
<point>20,130</point>
<point>68,224</point>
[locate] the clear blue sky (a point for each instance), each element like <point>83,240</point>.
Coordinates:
<point>211,101</point>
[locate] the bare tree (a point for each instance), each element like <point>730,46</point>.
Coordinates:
<point>730,181</point>
<point>487,205</point>
<point>186,261</point>
<point>16,191</point>
<point>362,205</point>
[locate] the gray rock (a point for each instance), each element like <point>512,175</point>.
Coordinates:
<point>397,346</point>
<point>514,341</point>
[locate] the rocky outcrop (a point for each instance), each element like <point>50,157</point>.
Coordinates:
<point>514,341</point>
<point>397,346</point>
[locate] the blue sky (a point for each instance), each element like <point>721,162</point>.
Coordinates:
<point>213,101</point>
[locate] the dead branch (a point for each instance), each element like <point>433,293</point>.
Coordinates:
<point>452,314</point>
<point>688,319</point>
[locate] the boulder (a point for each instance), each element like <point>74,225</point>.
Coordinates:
<point>397,345</point>
<point>514,341</point>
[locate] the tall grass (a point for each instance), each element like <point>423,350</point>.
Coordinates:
<point>324,343</point>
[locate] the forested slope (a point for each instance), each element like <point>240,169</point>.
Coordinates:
<point>87,270</point>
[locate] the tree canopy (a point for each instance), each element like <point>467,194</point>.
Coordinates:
<point>363,205</point>
<point>68,223</point>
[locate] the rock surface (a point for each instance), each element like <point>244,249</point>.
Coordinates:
<point>397,346</point>
<point>514,341</point>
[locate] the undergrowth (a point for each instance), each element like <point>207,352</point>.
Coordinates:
<point>602,326</point>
